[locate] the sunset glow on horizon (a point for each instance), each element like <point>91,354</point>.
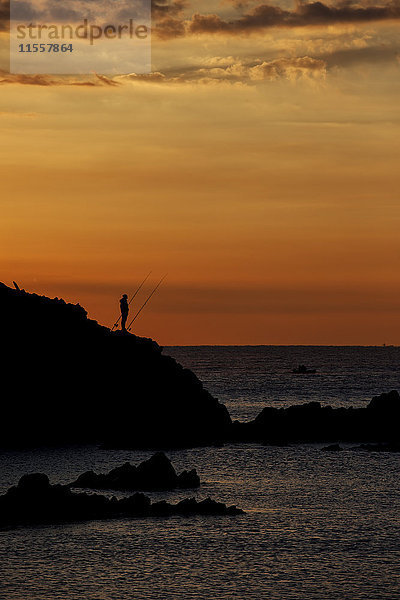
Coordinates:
<point>258,168</point>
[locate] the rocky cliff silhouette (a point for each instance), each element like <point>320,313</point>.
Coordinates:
<point>66,379</point>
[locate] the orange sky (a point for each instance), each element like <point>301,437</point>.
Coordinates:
<point>270,199</point>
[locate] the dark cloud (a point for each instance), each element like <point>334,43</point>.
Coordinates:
<point>208,24</point>
<point>61,13</point>
<point>4,15</point>
<point>155,76</point>
<point>164,8</point>
<point>24,11</point>
<point>107,80</point>
<point>169,28</point>
<point>170,23</point>
<point>267,16</point>
<point>164,14</point>
<point>290,68</point>
<point>47,80</point>
<point>43,80</point>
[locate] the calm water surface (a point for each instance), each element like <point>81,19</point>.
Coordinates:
<point>247,378</point>
<point>317,525</point>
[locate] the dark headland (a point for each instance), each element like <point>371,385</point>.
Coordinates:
<point>68,380</point>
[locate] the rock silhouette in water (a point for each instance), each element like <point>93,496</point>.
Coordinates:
<point>62,384</point>
<point>156,473</point>
<point>34,500</point>
<point>378,421</point>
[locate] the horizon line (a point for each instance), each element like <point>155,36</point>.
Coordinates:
<point>281,346</point>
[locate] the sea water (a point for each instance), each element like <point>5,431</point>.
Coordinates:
<point>247,378</point>
<point>317,525</point>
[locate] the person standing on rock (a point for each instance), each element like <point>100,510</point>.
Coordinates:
<point>124,311</point>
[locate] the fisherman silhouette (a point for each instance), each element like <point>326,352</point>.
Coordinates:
<point>124,311</point>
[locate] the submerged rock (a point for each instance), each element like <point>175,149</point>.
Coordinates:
<point>156,473</point>
<point>35,500</point>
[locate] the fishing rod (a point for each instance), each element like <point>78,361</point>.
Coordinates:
<point>144,304</point>
<point>135,294</point>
